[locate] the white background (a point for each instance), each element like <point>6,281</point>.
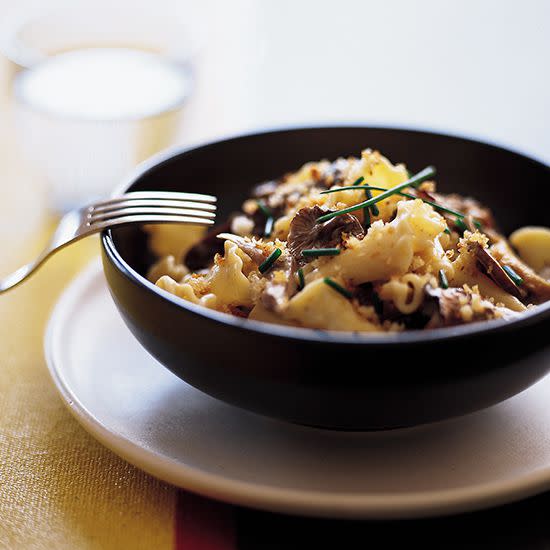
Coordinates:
<point>479,68</point>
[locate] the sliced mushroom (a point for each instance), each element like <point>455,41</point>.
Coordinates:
<point>304,229</point>
<point>332,231</point>
<point>306,233</point>
<point>537,287</point>
<point>249,246</point>
<point>492,268</point>
<point>456,306</point>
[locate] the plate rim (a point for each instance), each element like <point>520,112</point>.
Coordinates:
<point>422,504</point>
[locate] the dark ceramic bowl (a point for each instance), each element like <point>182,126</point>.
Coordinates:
<point>336,380</point>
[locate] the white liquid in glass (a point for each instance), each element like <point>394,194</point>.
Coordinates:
<point>104,84</point>
<point>88,116</point>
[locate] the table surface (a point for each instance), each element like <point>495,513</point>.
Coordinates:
<point>473,68</point>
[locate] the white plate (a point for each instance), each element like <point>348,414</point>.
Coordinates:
<point>161,424</point>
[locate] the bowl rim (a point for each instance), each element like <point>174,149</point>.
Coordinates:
<point>527,318</point>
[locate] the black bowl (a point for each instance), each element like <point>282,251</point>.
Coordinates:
<point>336,380</point>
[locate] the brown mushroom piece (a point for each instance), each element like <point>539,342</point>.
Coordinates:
<point>306,233</point>
<point>536,286</point>
<point>449,307</point>
<point>492,268</point>
<point>248,246</point>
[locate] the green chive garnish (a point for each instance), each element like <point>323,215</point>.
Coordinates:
<point>368,194</point>
<point>460,225</point>
<point>443,279</point>
<point>301,279</point>
<point>366,215</point>
<point>265,209</point>
<point>334,285</point>
<point>447,230</point>
<point>268,227</point>
<point>411,182</point>
<point>373,208</point>
<point>272,258</point>
<point>377,303</point>
<point>518,280</point>
<point>309,252</point>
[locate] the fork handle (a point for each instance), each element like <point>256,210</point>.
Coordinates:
<point>19,275</point>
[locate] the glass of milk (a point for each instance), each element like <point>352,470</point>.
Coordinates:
<point>96,94</point>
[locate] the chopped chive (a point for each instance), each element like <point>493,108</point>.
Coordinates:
<point>477,224</point>
<point>460,225</point>
<point>272,258</point>
<point>268,227</point>
<point>443,279</point>
<point>301,279</point>
<point>411,182</point>
<point>518,280</point>
<point>373,208</point>
<point>377,303</point>
<point>367,220</point>
<point>320,252</point>
<point>368,194</point>
<point>447,230</point>
<point>334,285</point>
<point>265,209</point>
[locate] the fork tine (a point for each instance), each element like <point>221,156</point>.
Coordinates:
<point>155,195</point>
<point>152,210</point>
<point>150,218</point>
<point>123,203</point>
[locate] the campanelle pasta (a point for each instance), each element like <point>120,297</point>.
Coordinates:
<point>357,244</point>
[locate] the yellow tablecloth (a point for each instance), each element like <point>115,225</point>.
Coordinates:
<point>58,487</point>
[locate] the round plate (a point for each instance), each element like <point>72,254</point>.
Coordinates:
<point>156,421</point>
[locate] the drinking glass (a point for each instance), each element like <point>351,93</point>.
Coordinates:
<point>99,87</point>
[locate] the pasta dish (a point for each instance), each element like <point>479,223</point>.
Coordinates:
<point>356,244</point>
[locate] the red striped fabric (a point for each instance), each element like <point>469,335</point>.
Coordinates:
<point>203,524</point>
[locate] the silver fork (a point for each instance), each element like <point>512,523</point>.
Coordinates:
<point>136,207</point>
